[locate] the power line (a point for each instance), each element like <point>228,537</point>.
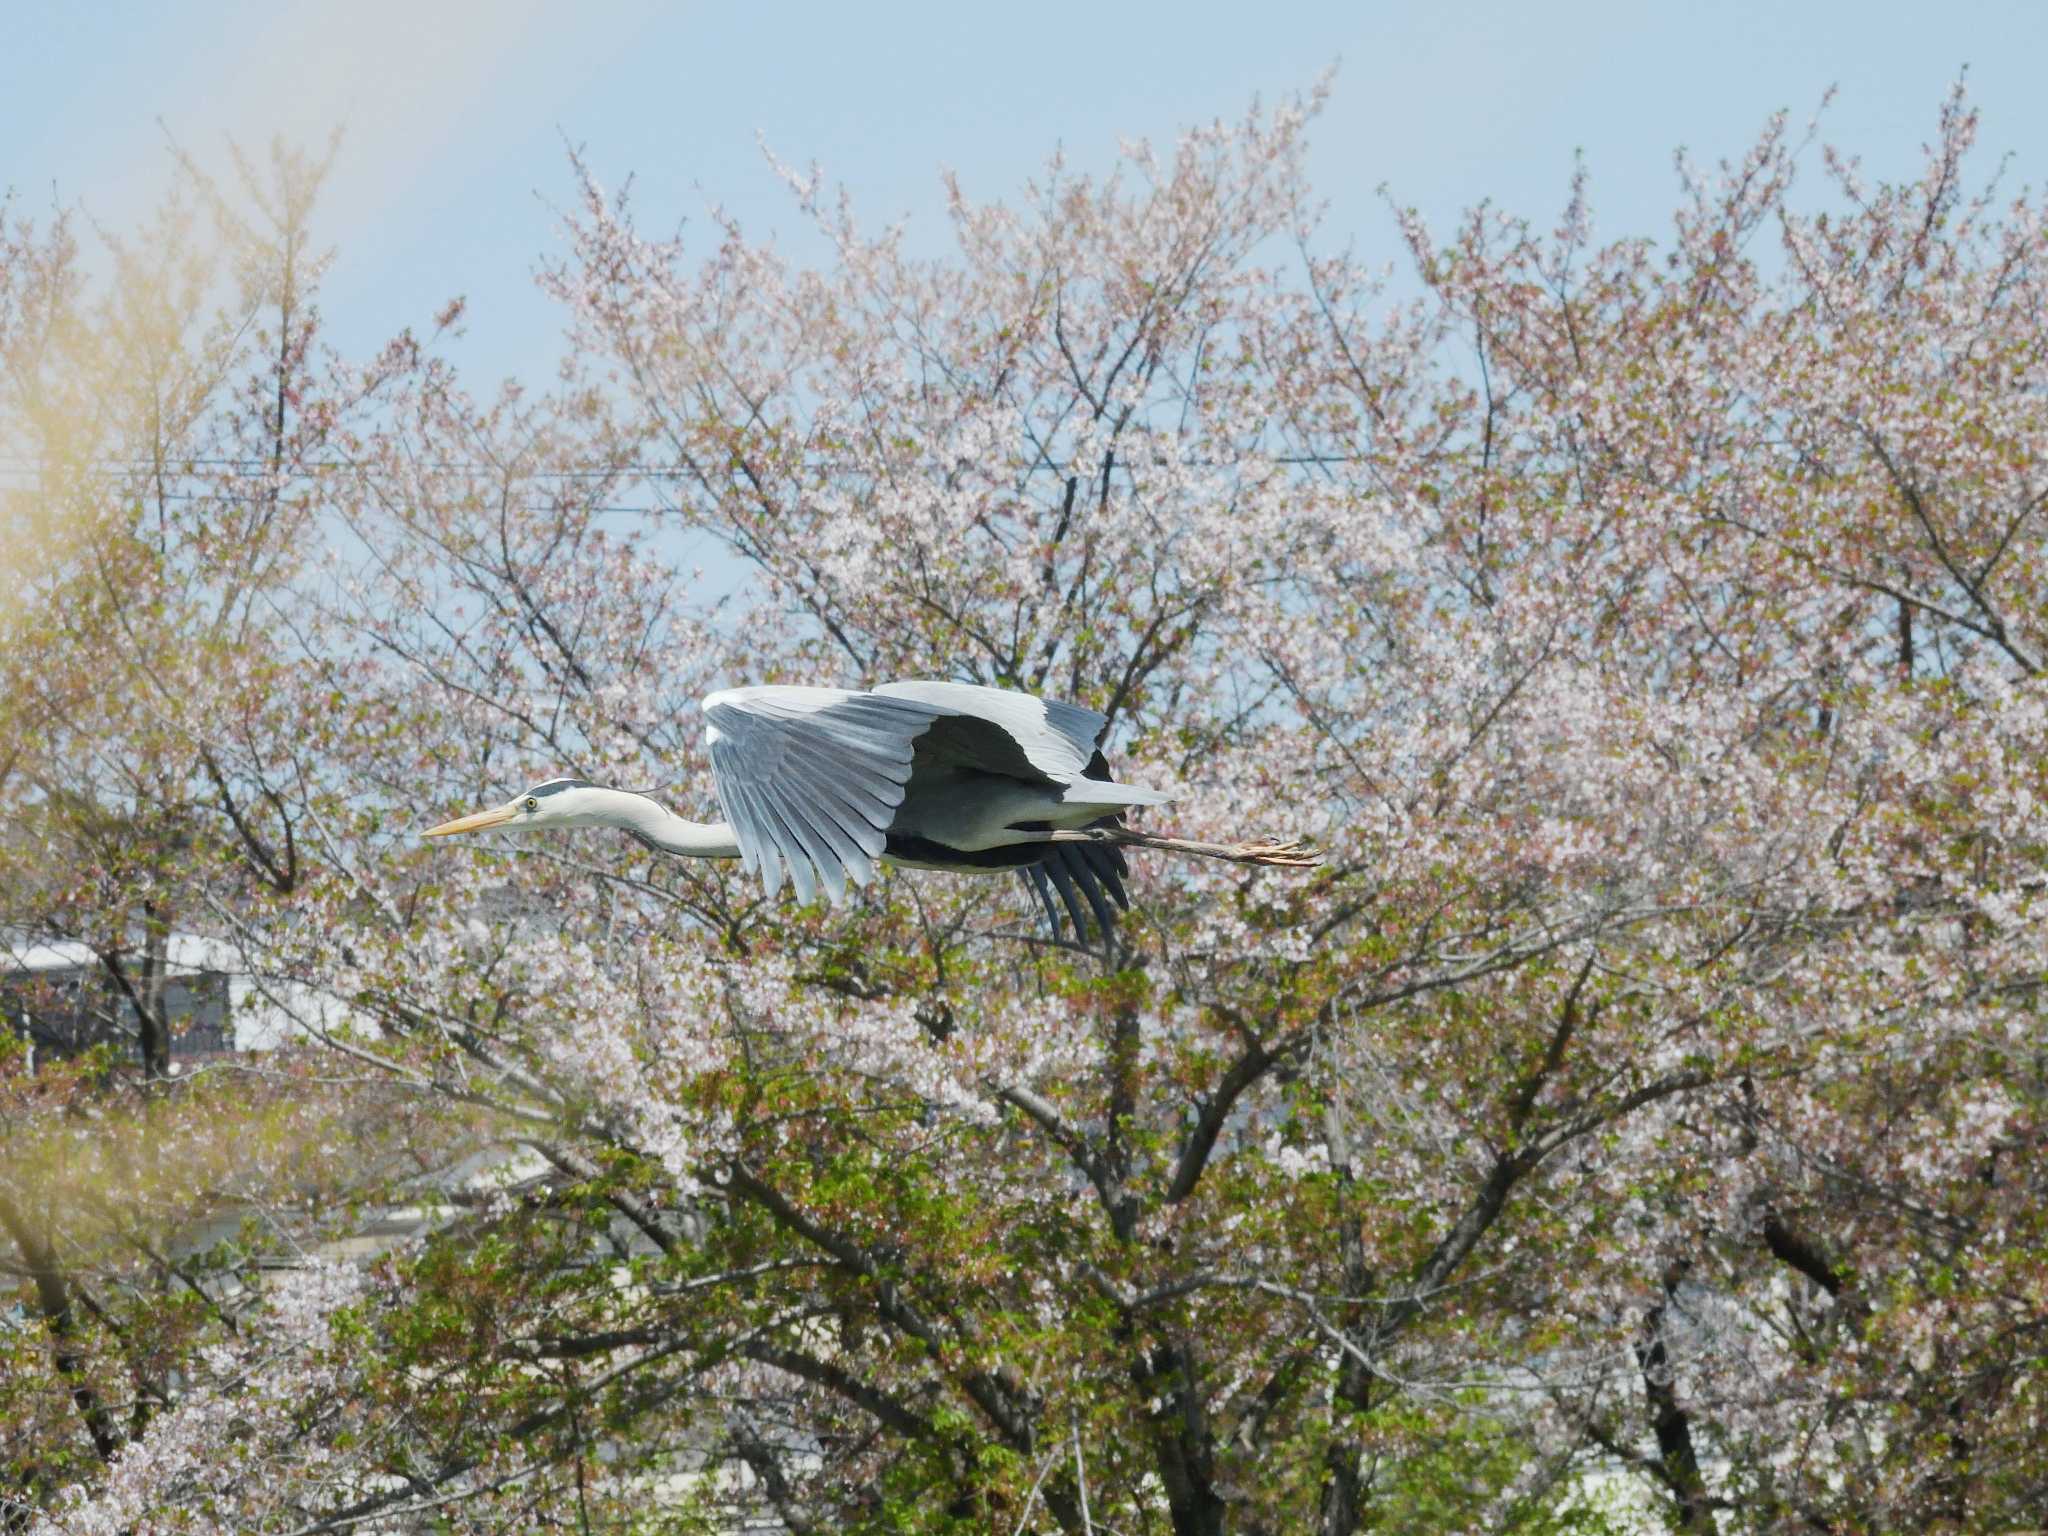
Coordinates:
<point>525,506</point>
<point>21,465</point>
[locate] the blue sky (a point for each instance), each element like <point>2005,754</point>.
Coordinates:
<point>457,112</point>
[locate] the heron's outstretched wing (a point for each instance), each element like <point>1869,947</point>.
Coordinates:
<point>810,779</point>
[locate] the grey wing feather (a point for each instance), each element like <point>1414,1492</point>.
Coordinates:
<point>1075,872</point>
<point>810,779</point>
<point>1055,739</point>
<point>1096,870</point>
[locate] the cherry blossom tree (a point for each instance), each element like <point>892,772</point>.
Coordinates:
<point>1637,1120</point>
<point>157,429</point>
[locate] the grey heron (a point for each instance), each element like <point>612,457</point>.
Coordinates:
<point>824,784</point>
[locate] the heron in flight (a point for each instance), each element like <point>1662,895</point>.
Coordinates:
<point>824,784</point>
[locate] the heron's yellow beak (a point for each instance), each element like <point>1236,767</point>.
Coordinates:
<point>482,819</point>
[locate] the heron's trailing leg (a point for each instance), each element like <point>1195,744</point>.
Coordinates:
<point>1269,855</point>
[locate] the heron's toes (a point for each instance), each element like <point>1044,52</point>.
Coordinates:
<point>1291,854</point>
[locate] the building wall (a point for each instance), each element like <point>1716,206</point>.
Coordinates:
<point>58,995</point>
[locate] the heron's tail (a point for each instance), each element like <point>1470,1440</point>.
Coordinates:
<point>1106,795</point>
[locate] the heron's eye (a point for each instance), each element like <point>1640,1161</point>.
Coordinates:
<point>532,804</point>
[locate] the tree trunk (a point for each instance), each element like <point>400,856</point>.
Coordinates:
<point>53,1301</point>
<point>1669,1420</point>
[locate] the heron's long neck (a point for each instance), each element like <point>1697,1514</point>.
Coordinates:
<point>656,824</point>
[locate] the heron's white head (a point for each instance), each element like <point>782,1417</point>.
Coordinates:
<point>545,807</point>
